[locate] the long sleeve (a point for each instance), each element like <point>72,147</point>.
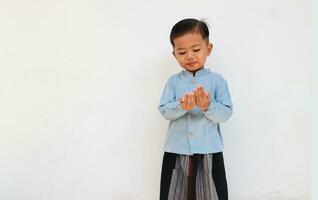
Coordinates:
<point>220,109</point>
<point>169,107</point>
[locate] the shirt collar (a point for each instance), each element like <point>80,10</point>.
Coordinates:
<point>200,72</point>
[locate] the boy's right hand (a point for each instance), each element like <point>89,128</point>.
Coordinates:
<point>202,98</point>
<point>188,101</point>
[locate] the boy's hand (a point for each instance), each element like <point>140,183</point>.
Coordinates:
<point>188,101</point>
<point>202,98</point>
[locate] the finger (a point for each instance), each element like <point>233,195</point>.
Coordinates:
<point>185,103</point>
<point>192,99</point>
<point>205,94</point>
<point>205,98</point>
<point>196,92</point>
<point>181,100</point>
<point>202,87</point>
<point>200,96</point>
<point>198,88</point>
<point>202,91</point>
<point>208,95</point>
<point>189,100</point>
<point>196,95</point>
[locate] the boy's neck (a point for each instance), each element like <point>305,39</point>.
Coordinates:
<point>193,72</point>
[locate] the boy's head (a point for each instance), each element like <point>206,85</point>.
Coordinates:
<point>190,42</point>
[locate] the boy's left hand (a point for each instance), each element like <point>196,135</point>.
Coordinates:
<point>187,101</point>
<point>202,98</point>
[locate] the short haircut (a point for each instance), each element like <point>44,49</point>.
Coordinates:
<point>189,25</point>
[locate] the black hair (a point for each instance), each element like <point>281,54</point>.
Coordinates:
<point>189,25</point>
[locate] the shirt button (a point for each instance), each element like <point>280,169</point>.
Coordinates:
<point>191,135</point>
<point>193,81</point>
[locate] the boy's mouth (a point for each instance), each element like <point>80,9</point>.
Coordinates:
<point>191,63</point>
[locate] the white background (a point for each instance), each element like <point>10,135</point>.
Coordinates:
<point>80,82</point>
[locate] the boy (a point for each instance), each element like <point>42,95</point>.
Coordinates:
<point>195,101</point>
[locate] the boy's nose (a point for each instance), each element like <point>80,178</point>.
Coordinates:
<point>189,56</point>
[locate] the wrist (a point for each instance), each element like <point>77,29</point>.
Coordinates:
<point>205,108</point>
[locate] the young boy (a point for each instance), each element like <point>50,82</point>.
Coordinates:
<point>195,101</point>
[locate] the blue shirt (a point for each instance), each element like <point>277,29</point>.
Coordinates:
<point>195,131</point>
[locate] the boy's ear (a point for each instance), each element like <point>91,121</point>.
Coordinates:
<point>210,47</point>
<point>174,53</point>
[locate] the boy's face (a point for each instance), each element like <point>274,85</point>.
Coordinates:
<point>191,51</point>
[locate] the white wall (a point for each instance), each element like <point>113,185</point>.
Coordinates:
<point>80,82</point>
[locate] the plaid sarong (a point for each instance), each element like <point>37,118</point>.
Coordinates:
<point>192,178</point>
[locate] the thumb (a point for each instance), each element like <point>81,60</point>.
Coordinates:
<point>208,95</point>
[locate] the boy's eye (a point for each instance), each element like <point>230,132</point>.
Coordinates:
<point>196,50</point>
<point>181,53</point>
